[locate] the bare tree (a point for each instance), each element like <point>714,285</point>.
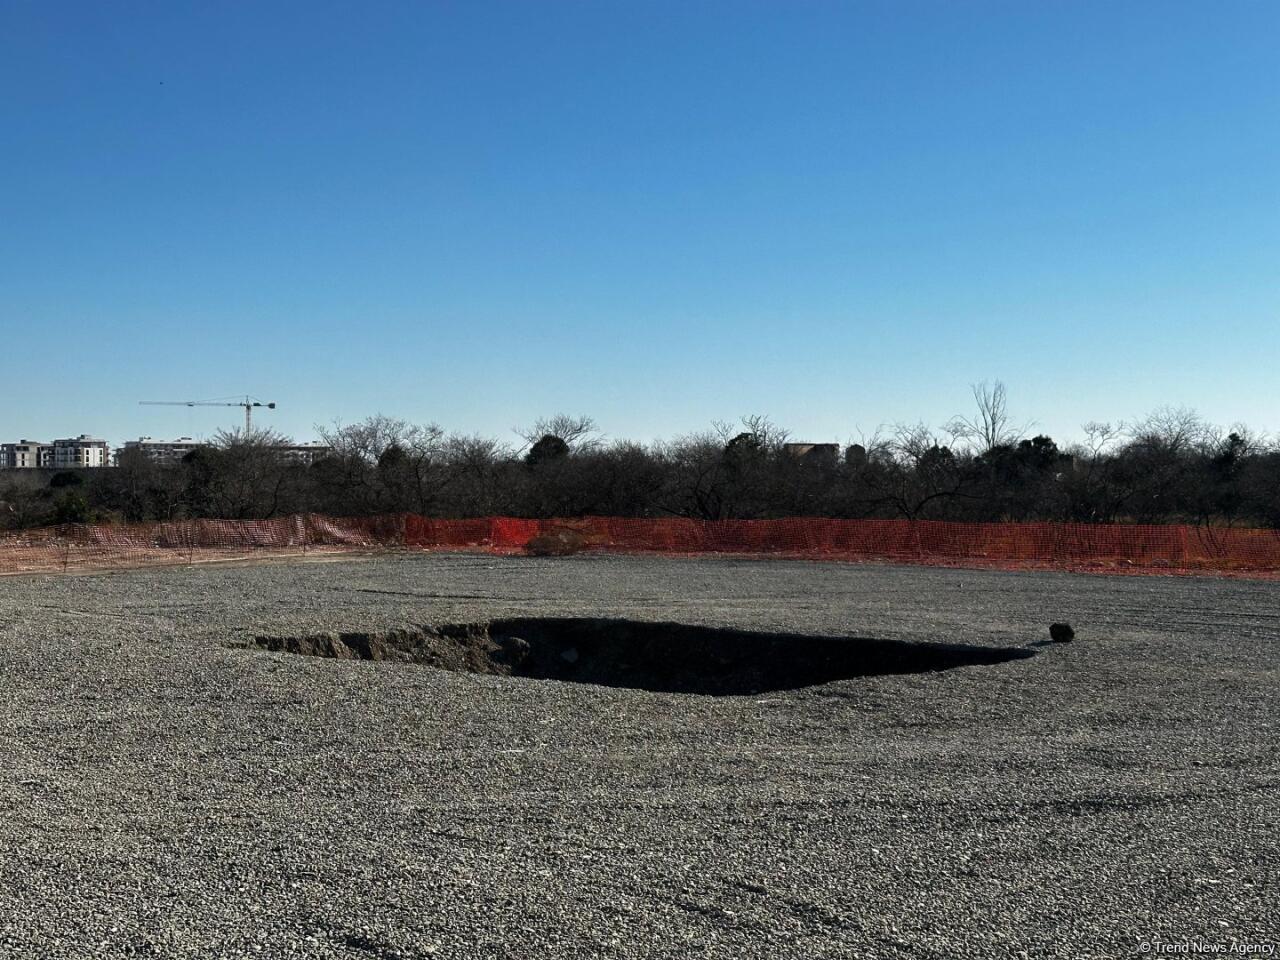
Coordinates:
<point>913,472</point>
<point>579,434</point>
<point>474,486</point>
<point>241,476</point>
<point>696,476</point>
<point>371,438</point>
<point>757,429</point>
<point>386,463</point>
<point>990,426</point>
<point>1099,436</point>
<point>1175,429</point>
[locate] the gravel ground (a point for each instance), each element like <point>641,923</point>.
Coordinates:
<point>167,791</point>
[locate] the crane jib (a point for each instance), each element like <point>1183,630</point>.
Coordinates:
<point>247,404</point>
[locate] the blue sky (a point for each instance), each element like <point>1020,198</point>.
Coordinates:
<point>658,214</point>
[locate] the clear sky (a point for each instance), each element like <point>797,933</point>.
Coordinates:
<point>658,214</point>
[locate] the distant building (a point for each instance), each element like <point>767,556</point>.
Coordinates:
<point>75,453</point>
<point>855,455</point>
<point>169,452</point>
<point>303,454</point>
<point>25,455</point>
<point>163,451</point>
<point>80,452</point>
<point>813,451</point>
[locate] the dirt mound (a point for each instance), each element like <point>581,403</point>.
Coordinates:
<point>664,657</point>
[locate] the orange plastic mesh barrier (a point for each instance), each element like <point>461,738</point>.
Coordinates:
<point>1085,547</point>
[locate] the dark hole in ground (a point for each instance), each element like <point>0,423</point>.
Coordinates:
<point>664,657</point>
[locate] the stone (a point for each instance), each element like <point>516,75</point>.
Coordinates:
<point>1061,632</point>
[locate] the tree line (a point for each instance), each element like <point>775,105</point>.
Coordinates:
<point>1169,467</point>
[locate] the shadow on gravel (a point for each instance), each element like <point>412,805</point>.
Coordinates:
<point>663,657</point>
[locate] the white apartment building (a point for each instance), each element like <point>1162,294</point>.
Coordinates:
<point>80,452</point>
<point>25,455</point>
<point>70,454</point>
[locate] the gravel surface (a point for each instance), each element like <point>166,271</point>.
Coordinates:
<point>170,790</point>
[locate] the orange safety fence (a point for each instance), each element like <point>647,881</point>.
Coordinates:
<point>1088,547</point>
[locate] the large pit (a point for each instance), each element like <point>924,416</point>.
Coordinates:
<point>661,657</point>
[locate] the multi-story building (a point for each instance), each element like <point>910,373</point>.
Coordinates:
<point>163,451</point>
<point>303,454</point>
<point>70,454</point>
<point>80,452</point>
<point>25,455</point>
<point>173,451</point>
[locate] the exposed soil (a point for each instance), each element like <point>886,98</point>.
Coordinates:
<point>664,657</point>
